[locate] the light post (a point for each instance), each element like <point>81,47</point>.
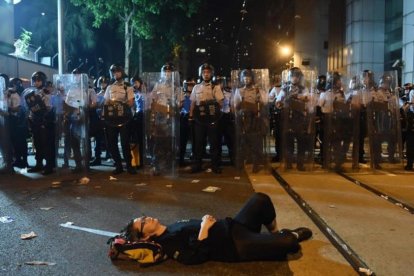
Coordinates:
<point>287,52</point>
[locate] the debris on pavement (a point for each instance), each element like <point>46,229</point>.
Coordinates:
<point>28,236</point>
<point>84,180</point>
<point>169,186</point>
<point>78,197</point>
<point>195,180</point>
<point>332,206</point>
<point>111,178</point>
<point>237,177</point>
<point>6,219</point>
<point>211,189</point>
<point>46,208</point>
<point>209,170</point>
<point>67,223</point>
<point>39,263</point>
<point>56,183</point>
<point>141,184</point>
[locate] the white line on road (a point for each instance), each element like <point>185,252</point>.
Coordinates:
<point>90,230</point>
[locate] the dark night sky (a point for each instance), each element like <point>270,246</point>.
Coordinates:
<point>267,21</point>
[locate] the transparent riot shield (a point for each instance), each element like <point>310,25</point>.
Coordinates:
<point>250,102</point>
<point>384,130</point>
<point>298,121</point>
<point>161,122</point>
<point>71,102</point>
<point>5,147</point>
<point>340,105</point>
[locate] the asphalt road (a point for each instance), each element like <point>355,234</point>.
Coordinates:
<point>108,205</point>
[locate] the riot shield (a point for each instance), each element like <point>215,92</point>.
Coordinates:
<point>341,106</point>
<point>161,122</point>
<point>384,129</point>
<point>250,102</point>
<point>298,122</point>
<point>72,123</point>
<point>5,147</point>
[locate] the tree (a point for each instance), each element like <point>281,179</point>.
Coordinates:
<point>135,16</point>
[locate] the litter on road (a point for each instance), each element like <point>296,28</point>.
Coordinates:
<point>28,236</point>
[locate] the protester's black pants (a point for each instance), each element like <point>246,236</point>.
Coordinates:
<point>252,245</point>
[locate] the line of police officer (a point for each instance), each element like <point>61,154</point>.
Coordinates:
<point>208,108</point>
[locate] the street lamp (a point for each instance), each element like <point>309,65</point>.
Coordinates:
<point>286,51</point>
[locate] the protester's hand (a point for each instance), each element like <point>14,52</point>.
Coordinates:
<point>206,222</point>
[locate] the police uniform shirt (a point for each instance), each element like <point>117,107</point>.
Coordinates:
<point>411,100</point>
<point>379,95</point>
<point>226,102</point>
<point>46,98</point>
<point>325,101</point>
<point>274,93</point>
<point>366,96</point>
<point>119,91</point>
<point>205,91</point>
<point>76,97</point>
<point>163,93</point>
<point>92,97</point>
<point>249,95</point>
<point>292,90</point>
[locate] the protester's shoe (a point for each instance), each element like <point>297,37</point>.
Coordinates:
<point>96,162</point>
<point>118,170</point>
<point>37,168</point>
<point>303,233</point>
<point>131,170</point>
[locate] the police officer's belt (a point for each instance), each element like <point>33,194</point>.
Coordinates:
<point>207,112</point>
<point>247,106</point>
<point>156,107</point>
<point>117,113</point>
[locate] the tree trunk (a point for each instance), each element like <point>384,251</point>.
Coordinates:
<point>128,38</point>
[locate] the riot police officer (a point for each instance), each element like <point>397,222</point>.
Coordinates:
<point>319,129</point>
<point>248,104</point>
<point>275,117</point>
<point>5,143</point>
<point>119,98</point>
<point>226,123</point>
<point>137,124</point>
<point>298,120</point>
<point>41,121</point>
<point>163,101</point>
<point>206,102</point>
<point>18,123</point>
<point>185,129</point>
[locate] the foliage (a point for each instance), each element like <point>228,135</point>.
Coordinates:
<point>22,44</point>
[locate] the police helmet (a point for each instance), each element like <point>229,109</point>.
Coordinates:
<point>321,83</point>
<point>186,83</point>
<point>134,79</point>
<point>76,71</point>
<point>39,75</point>
<point>167,67</point>
<point>246,73</point>
<point>333,78</point>
<point>386,79</point>
<point>295,72</point>
<point>220,80</point>
<point>102,79</point>
<point>205,66</point>
<point>6,80</point>
<point>368,77</point>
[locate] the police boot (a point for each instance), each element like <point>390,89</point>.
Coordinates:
<point>37,168</point>
<point>96,162</point>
